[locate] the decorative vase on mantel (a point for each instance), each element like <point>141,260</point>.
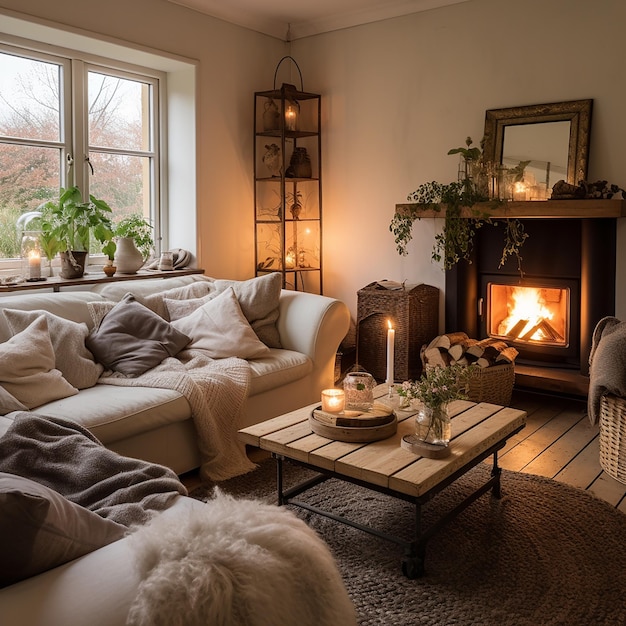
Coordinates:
<point>432,424</point>
<point>127,258</point>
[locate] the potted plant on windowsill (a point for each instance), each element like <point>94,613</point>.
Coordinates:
<point>71,222</point>
<point>133,235</point>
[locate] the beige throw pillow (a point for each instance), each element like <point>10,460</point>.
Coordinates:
<point>27,367</point>
<point>8,403</point>
<point>40,529</point>
<point>72,358</point>
<point>220,329</point>
<point>259,298</point>
<point>156,301</point>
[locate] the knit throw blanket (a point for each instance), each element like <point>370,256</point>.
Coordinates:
<point>67,458</point>
<point>216,390</point>
<point>607,364</point>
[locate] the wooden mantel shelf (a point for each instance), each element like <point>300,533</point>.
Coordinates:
<point>540,209</point>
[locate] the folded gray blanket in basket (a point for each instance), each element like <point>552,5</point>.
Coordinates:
<point>607,364</point>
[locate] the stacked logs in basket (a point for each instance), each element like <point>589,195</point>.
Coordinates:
<point>459,348</point>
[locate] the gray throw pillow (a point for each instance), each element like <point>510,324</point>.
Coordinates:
<point>132,339</point>
<point>259,298</point>
<point>40,529</point>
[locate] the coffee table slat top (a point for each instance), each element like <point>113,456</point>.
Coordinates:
<point>475,428</point>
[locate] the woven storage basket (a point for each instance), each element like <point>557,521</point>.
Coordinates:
<point>613,437</point>
<point>492,384</point>
<point>414,314</point>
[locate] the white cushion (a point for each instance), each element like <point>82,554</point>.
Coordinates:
<point>280,368</point>
<point>27,367</point>
<point>220,329</point>
<point>72,358</point>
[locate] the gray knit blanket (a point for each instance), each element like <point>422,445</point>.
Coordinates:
<point>607,364</point>
<point>68,459</point>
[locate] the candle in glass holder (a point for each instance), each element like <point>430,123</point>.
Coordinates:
<point>34,264</point>
<point>333,400</point>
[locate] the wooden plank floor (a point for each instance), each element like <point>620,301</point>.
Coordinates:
<point>559,442</point>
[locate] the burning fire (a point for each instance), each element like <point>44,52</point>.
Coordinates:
<point>531,315</point>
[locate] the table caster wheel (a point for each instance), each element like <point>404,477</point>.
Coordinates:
<point>412,567</point>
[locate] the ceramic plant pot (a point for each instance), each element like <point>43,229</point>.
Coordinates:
<point>127,258</point>
<point>72,264</point>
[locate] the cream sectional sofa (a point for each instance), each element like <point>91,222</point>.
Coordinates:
<point>155,424</point>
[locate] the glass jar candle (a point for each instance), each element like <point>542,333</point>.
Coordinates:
<point>358,387</point>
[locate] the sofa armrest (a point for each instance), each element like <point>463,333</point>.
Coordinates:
<point>313,325</point>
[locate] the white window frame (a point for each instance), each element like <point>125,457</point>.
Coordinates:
<point>74,136</point>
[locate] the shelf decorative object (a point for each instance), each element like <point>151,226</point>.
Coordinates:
<point>287,189</point>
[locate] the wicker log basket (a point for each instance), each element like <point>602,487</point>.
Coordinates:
<point>493,384</point>
<point>613,437</point>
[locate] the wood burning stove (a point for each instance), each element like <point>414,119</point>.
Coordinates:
<point>569,275</point>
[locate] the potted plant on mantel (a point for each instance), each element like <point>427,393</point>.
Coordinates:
<point>455,241</point>
<point>135,243</point>
<point>71,222</point>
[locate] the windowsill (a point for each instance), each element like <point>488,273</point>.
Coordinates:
<point>93,276</point>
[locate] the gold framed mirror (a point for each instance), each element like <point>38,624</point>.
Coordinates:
<point>553,137</point>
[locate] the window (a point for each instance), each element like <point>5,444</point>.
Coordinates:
<point>69,120</point>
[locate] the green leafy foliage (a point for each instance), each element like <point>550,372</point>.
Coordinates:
<point>138,228</point>
<point>462,219</point>
<point>68,223</point>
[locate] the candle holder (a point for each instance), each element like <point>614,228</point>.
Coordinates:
<point>359,387</point>
<point>30,252</point>
<point>333,400</point>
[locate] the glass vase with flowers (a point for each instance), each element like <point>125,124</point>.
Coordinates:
<point>430,396</point>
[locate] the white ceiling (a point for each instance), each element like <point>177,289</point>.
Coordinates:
<point>294,19</point>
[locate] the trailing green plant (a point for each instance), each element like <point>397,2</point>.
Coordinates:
<point>462,216</point>
<point>139,229</point>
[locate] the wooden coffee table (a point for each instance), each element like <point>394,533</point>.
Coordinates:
<point>478,432</point>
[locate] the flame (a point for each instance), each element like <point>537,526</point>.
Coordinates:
<point>389,325</point>
<point>526,304</point>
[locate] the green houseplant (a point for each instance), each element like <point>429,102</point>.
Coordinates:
<point>68,225</point>
<point>140,230</point>
<point>462,218</point>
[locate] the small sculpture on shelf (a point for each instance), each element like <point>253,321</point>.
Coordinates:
<point>272,159</point>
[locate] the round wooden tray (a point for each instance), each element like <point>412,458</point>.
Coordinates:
<point>356,434</point>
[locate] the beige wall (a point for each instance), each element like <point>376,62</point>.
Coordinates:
<point>397,95</point>
<point>400,93</point>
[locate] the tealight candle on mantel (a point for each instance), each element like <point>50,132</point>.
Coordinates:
<point>333,400</point>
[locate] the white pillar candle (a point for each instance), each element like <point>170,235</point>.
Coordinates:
<point>34,264</point>
<point>333,400</point>
<point>391,337</point>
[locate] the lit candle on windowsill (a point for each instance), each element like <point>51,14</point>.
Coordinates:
<point>34,264</point>
<point>333,400</point>
<point>391,338</point>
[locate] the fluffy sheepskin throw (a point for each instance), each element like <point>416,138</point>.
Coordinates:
<point>607,364</point>
<point>235,562</point>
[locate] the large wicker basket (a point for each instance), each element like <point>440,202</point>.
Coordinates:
<point>492,384</point>
<point>414,313</point>
<point>613,437</point>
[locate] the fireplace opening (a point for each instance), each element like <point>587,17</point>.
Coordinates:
<point>528,315</point>
<point>569,281</point>
<point>540,317</point>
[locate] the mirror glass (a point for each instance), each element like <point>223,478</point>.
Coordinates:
<point>553,137</point>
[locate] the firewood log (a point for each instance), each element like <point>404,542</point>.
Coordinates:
<point>447,340</point>
<point>457,350</point>
<point>435,357</point>
<point>508,355</point>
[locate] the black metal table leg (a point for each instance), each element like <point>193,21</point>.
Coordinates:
<point>496,473</point>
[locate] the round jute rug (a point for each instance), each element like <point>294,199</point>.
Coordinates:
<point>544,554</point>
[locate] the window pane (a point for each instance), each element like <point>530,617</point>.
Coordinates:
<point>29,98</point>
<point>118,113</point>
<point>122,181</point>
<point>28,177</point>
